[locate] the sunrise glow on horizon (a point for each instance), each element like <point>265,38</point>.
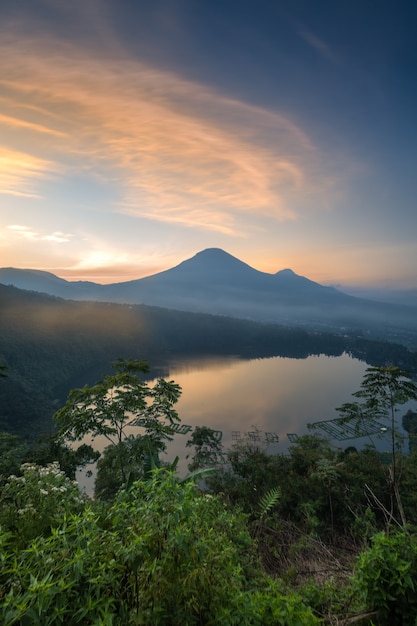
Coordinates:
<point>134,135</point>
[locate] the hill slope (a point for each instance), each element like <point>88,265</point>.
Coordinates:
<point>215,282</point>
<point>51,345</point>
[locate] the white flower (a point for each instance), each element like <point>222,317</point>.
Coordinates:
<point>27,509</point>
<point>29,467</point>
<point>55,469</point>
<point>43,492</point>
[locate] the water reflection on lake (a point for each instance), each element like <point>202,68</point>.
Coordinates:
<point>277,395</point>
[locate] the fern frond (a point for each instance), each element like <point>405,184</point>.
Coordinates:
<point>268,501</point>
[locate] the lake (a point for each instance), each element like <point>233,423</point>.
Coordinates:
<point>275,395</point>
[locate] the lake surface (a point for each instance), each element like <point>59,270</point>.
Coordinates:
<point>275,395</point>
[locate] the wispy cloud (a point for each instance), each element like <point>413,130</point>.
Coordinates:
<point>176,150</point>
<point>320,46</point>
<point>25,232</point>
<point>19,172</point>
<point>14,122</point>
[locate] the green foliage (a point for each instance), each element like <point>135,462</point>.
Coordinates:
<point>330,598</point>
<point>268,501</point>
<point>11,452</point>
<point>248,473</point>
<point>387,387</point>
<point>409,487</point>
<point>359,508</point>
<point>308,451</point>
<point>50,449</point>
<point>383,389</point>
<point>33,503</point>
<point>409,423</point>
<point>135,452</point>
<point>386,575</point>
<point>323,490</point>
<point>163,554</point>
<point>119,401</point>
<point>71,576</point>
<point>116,402</point>
<point>187,552</point>
<point>268,606</point>
<point>311,486</point>
<point>208,448</point>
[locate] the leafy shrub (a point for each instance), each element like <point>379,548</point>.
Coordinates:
<point>31,504</point>
<point>386,576</point>
<point>164,554</point>
<point>69,577</point>
<point>268,606</point>
<point>186,553</point>
<point>330,598</point>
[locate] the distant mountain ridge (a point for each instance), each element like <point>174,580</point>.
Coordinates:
<point>209,267</point>
<point>214,281</point>
<point>46,282</point>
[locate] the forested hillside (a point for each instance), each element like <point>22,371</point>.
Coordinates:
<point>50,345</point>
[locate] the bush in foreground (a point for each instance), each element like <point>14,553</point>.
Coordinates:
<point>163,553</point>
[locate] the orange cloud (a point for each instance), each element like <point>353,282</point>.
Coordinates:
<point>176,150</point>
<point>19,172</point>
<point>19,123</point>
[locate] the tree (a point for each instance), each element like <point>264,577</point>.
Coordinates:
<point>409,423</point>
<point>327,473</point>
<point>208,448</point>
<point>383,389</point>
<point>118,401</point>
<point>134,451</point>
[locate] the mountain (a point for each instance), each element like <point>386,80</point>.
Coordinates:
<point>211,271</point>
<point>216,282</point>
<point>46,282</point>
<point>383,294</point>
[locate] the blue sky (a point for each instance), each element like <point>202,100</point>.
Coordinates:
<point>134,134</point>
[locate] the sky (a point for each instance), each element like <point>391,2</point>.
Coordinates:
<point>136,133</point>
